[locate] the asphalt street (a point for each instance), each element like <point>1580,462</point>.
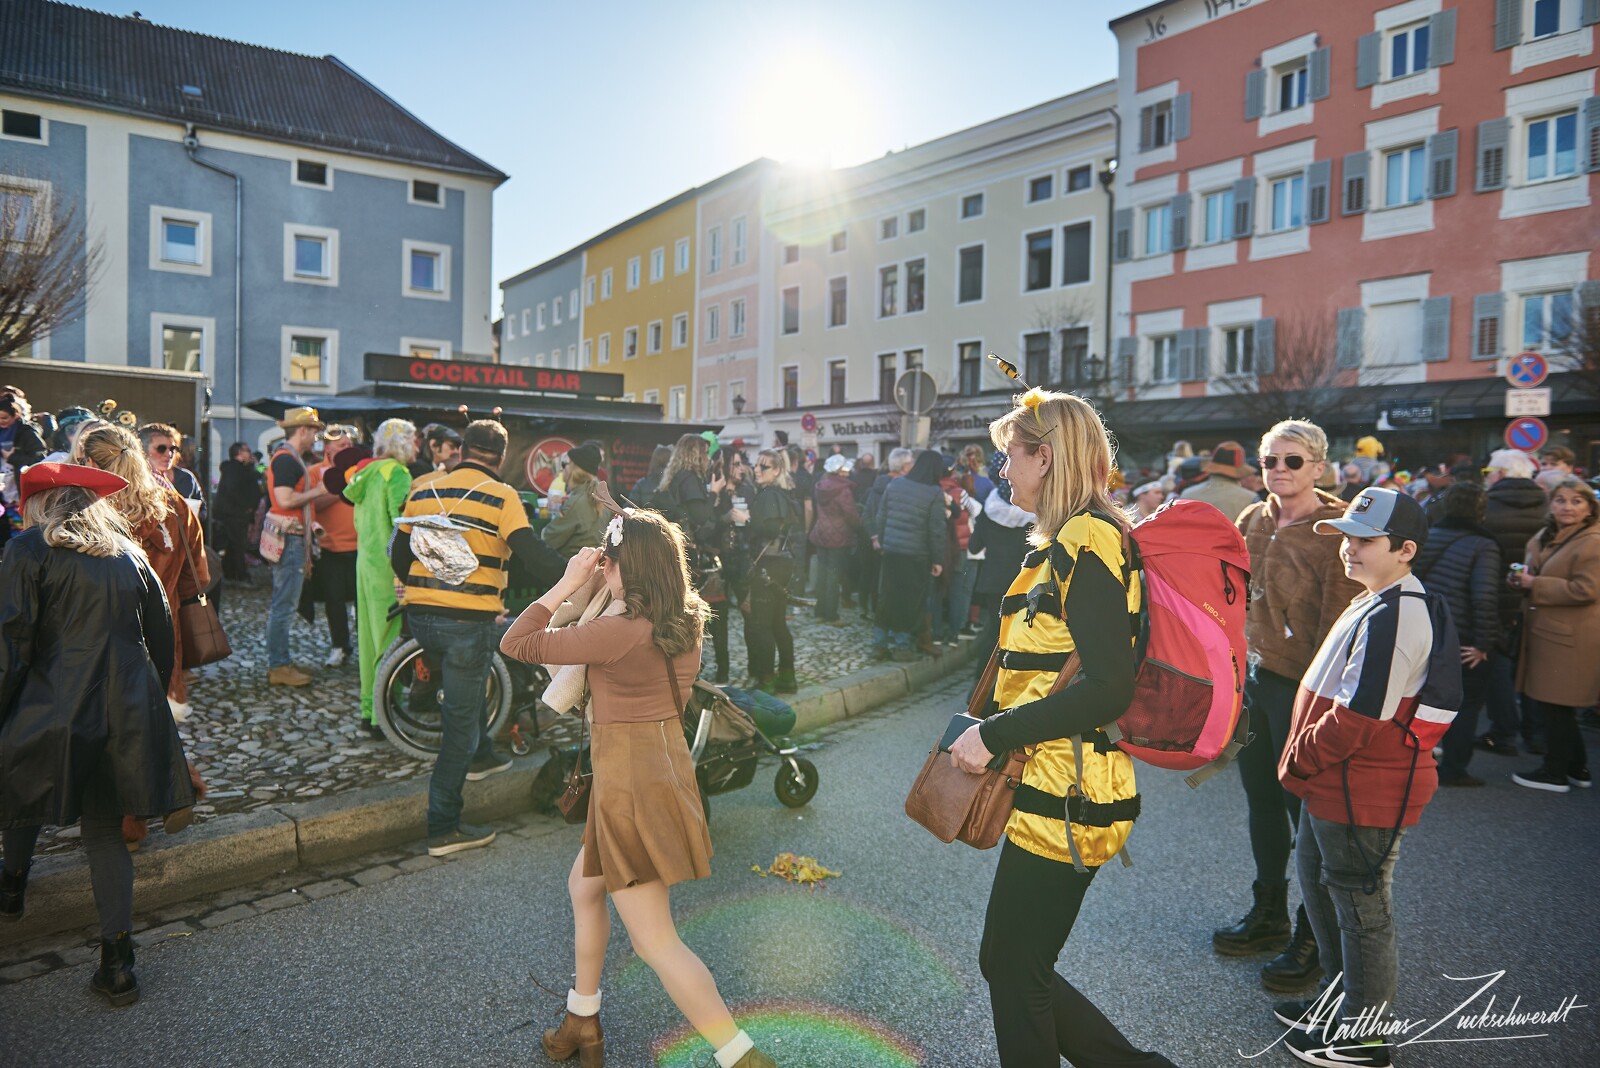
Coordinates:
<point>879,967</point>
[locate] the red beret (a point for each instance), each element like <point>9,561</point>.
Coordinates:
<point>49,476</point>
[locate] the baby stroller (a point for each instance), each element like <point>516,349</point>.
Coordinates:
<point>728,732</point>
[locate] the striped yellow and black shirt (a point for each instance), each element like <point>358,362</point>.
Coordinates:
<point>492,513</point>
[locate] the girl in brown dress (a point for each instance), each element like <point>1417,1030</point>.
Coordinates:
<point>646,828</point>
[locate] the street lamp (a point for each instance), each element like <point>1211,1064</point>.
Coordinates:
<point>1094,365</point>
<point>738,404</point>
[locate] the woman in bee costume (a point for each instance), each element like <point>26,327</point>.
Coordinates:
<point>1075,593</point>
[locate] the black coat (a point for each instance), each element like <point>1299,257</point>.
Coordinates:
<point>85,659</point>
<point>1514,512</point>
<point>1463,564</point>
<point>238,488</point>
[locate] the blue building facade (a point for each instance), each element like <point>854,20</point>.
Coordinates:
<point>542,308</point>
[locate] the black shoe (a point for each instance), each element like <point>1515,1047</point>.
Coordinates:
<point>1295,1014</point>
<point>1489,744</point>
<point>1264,929</point>
<point>1580,779</point>
<point>1314,1047</point>
<point>1542,778</point>
<point>374,731</point>
<point>1298,966</point>
<point>1460,779</point>
<point>463,837</point>
<point>114,979</point>
<point>12,887</point>
<point>482,767</point>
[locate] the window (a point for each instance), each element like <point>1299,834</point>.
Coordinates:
<point>308,360</point>
<point>736,318</point>
<point>310,256</point>
<point>630,343</point>
<point>1292,87</point>
<point>1553,147</point>
<point>1160,124</point>
<point>1074,356</point>
<point>422,349</point>
<point>791,311</point>
<point>572,356</point>
<point>1076,242</point>
<point>888,291</point>
<point>913,359</point>
<point>713,322</point>
<point>838,242</point>
<point>1158,230</point>
<point>711,401</point>
<point>1164,358</point>
<point>572,305</point>
<point>525,330</point>
<point>680,330</point>
<point>555,312</point>
<point>1036,358</point>
<point>605,284</point>
<point>1219,216</point>
<point>714,250</point>
<point>969,367</point>
<point>889,228</point>
<point>605,348</point>
<point>1408,50</point>
<point>1547,321</point>
<point>17,206</point>
<point>308,172</point>
<point>680,256</point>
<point>653,337</point>
<point>791,254</point>
<point>427,270</point>
<point>180,241</point>
<point>538,359</point>
<point>791,386</point>
<point>676,397</point>
<point>1546,19</point>
<point>658,264</point>
<point>1403,173</point>
<point>588,290</point>
<point>887,373</point>
<point>916,285</point>
<point>181,348</point>
<point>1042,188</point>
<point>1039,253</point>
<point>916,221</point>
<point>585,354</point>
<point>1393,333</point>
<point>838,301</point>
<point>969,274</point>
<point>21,124</point>
<point>836,381</point>
<point>538,317</point>
<point>425,192</point>
<point>972,205</point>
<point>633,272</point>
<point>1288,202</point>
<point>652,396</point>
<point>1238,350</point>
<point>1080,178</point>
<point>738,241</point>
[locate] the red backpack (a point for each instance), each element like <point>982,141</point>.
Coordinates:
<point>1187,711</point>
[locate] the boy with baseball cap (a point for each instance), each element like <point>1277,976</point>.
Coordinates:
<point>1376,699</point>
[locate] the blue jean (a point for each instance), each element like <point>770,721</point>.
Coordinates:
<point>958,602</point>
<point>463,648</point>
<point>288,576</point>
<point>833,564</point>
<point>1509,715</point>
<point>890,639</point>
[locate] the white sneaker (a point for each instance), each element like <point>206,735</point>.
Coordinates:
<point>336,658</point>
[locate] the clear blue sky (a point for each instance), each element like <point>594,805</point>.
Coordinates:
<point>598,110</point>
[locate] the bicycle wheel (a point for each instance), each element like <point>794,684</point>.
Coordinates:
<point>407,693</point>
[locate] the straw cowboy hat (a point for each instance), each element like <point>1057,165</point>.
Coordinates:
<point>302,416</point>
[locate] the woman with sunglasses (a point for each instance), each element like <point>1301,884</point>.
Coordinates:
<point>1298,589</point>
<point>774,527</point>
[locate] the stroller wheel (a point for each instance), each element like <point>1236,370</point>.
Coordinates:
<point>796,783</point>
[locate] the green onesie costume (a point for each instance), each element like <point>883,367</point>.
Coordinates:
<point>378,491</point>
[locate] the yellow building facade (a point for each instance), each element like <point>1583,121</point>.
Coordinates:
<point>639,305</point>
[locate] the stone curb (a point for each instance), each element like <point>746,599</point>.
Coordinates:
<point>245,847</point>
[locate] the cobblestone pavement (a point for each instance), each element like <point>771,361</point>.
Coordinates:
<point>259,745</point>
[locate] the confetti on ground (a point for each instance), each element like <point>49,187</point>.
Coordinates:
<point>807,871</point>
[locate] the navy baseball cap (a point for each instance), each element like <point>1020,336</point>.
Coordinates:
<point>1378,512</point>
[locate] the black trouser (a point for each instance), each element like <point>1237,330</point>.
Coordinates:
<point>766,631</point>
<point>717,624</point>
<point>1565,753</point>
<point>338,625</point>
<point>110,867</point>
<point>233,541</point>
<point>989,629</point>
<point>1274,811</point>
<point>867,559</point>
<point>1462,734</point>
<point>1039,1017</point>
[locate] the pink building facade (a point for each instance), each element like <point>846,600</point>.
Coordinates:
<point>733,302</point>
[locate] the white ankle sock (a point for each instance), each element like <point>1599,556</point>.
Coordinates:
<point>729,1055</point>
<point>583,1004</point>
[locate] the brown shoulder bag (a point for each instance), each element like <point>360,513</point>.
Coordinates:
<point>574,800</point>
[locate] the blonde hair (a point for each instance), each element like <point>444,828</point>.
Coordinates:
<point>72,517</point>
<point>1081,454</point>
<point>395,439</point>
<point>780,462</point>
<point>655,580</point>
<point>691,453</point>
<point>112,448</point>
<point>1302,432</point>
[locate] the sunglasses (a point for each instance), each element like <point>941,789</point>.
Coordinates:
<point>766,467</point>
<point>165,449</point>
<point>1294,462</point>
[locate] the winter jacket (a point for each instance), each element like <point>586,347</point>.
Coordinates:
<point>238,488</point>
<point>1561,631</point>
<point>1515,511</point>
<point>86,655</point>
<point>1002,530</point>
<point>1223,493</point>
<point>1298,586</point>
<point>1463,564</point>
<point>962,521</point>
<point>580,523</point>
<point>837,518</point>
<point>873,505</point>
<point>912,520</point>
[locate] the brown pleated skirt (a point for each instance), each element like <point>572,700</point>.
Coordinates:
<point>645,819</point>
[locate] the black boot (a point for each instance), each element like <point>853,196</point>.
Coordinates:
<point>12,888</point>
<point>1264,929</point>
<point>1298,966</point>
<point>114,980</point>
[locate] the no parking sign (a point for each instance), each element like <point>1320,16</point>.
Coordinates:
<point>1528,434</point>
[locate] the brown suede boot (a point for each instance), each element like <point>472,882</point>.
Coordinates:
<point>580,1035</point>
<point>755,1059</point>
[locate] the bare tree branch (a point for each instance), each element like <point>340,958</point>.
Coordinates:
<point>1577,346</point>
<point>1305,379</point>
<point>46,265</point>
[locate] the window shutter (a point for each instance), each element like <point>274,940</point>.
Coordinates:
<point>1185,355</point>
<point>1588,311</point>
<point>1442,38</point>
<point>1147,121</point>
<point>1202,354</point>
<point>1321,73</point>
<point>1122,234</point>
<point>1355,183</point>
<point>1368,49</point>
<point>1436,329</point>
<point>1507,24</point>
<point>1180,221</point>
<point>1591,13</point>
<point>1494,137</point>
<point>1255,94</point>
<point>1266,354</point>
<point>1180,116</point>
<point>1488,313</point>
<point>1352,321</point>
<point>1122,361</point>
<point>1244,207</point>
<point>1319,176</point>
<point>1591,131</point>
<point>1442,163</point>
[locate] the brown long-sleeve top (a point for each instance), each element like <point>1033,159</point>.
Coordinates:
<point>627,672</point>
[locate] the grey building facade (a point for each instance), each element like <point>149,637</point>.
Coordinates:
<point>542,309</point>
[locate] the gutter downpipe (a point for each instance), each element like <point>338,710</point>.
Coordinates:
<point>191,144</point>
<point>1111,224</point>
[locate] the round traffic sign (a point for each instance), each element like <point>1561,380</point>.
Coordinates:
<point>1528,434</point>
<point>1527,370</point>
<point>916,392</point>
<point>808,423</point>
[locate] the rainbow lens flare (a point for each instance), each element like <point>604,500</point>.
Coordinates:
<point>791,1032</point>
